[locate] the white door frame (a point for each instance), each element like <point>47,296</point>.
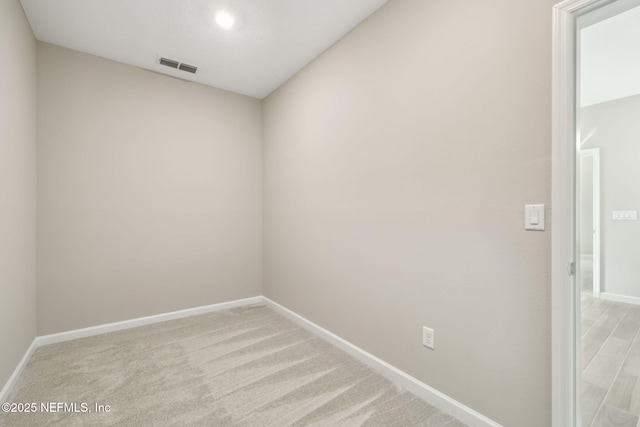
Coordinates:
<point>565,144</point>
<point>594,154</point>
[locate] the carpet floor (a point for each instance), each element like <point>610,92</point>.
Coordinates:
<point>242,367</point>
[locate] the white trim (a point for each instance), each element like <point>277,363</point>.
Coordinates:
<point>594,153</point>
<point>433,396</point>
<point>564,294</point>
<point>6,390</point>
<point>620,298</point>
<point>141,321</point>
<point>597,250</point>
<point>563,378</point>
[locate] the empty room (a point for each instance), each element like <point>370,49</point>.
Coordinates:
<point>285,212</point>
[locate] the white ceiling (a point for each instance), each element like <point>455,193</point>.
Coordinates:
<point>270,41</point>
<point>610,57</point>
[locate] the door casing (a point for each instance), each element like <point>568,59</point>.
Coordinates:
<point>565,146</point>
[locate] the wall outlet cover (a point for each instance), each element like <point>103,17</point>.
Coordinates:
<point>428,337</point>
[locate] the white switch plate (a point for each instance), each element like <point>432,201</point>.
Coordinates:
<point>534,217</point>
<point>625,215</point>
<point>428,337</point>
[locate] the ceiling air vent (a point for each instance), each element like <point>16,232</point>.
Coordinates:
<point>188,68</point>
<point>178,65</point>
<point>169,63</point>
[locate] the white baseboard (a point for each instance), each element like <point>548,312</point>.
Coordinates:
<point>431,395</point>
<point>620,298</point>
<point>141,321</point>
<point>4,394</point>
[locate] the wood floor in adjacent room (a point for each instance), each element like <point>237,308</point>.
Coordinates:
<point>610,386</point>
<point>245,367</point>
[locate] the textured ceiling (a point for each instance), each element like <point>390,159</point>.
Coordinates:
<point>270,41</point>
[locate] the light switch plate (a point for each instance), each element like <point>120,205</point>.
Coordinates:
<point>534,217</point>
<point>625,215</point>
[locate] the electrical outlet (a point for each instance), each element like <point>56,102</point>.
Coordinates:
<point>428,337</point>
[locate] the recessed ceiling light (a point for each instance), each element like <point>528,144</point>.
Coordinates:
<point>225,20</point>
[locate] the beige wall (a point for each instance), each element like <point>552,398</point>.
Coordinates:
<point>17,187</point>
<point>149,193</point>
<point>613,127</point>
<point>397,167</point>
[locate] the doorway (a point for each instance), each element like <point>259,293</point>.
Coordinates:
<point>570,242</point>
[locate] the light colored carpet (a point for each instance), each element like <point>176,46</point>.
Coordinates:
<point>242,367</point>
